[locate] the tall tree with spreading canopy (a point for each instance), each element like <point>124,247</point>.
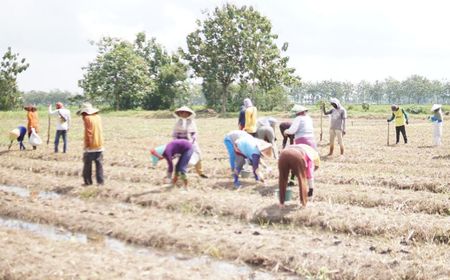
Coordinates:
<point>167,71</point>
<point>236,45</point>
<point>10,67</point>
<point>118,76</point>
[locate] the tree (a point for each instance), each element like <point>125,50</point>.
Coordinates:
<point>236,45</point>
<point>118,76</point>
<point>10,67</point>
<point>167,71</point>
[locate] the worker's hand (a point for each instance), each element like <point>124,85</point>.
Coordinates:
<point>343,132</point>
<point>388,120</point>
<point>407,122</point>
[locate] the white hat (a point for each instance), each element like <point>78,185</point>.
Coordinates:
<point>184,109</point>
<point>87,108</point>
<point>298,109</point>
<point>14,134</point>
<point>264,147</point>
<point>435,107</point>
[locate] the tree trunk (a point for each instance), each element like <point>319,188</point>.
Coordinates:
<point>224,98</point>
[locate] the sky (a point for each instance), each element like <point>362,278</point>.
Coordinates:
<point>341,40</point>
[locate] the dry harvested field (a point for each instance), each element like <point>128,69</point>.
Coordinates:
<point>379,212</point>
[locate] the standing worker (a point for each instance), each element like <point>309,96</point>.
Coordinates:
<point>302,127</point>
<point>338,116</point>
<point>437,120</point>
<point>186,128</point>
<point>93,144</point>
<point>62,125</point>
<point>401,119</point>
<point>33,120</point>
<point>251,113</point>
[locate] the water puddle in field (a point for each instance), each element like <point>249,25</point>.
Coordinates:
<point>23,192</point>
<point>219,267</point>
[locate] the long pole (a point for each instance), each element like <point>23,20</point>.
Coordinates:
<point>388,134</point>
<point>48,129</point>
<point>321,128</point>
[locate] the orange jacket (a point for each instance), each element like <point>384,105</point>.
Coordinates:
<point>33,121</point>
<point>93,136</point>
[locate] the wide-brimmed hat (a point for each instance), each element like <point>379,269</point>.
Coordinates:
<point>298,109</point>
<point>157,151</point>
<point>14,134</point>
<point>184,109</point>
<point>435,107</point>
<point>87,108</point>
<point>264,147</point>
<point>30,107</point>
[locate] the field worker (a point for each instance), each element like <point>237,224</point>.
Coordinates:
<point>176,147</point>
<point>437,120</point>
<point>267,121</point>
<point>283,126</point>
<point>252,149</point>
<point>251,114</point>
<point>302,127</point>
<point>401,119</point>
<point>93,144</point>
<point>293,160</point>
<point>18,134</point>
<point>33,120</point>
<point>229,141</point>
<point>338,116</point>
<point>266,131</point>
<point>185,128</point>
<point>62,125</point>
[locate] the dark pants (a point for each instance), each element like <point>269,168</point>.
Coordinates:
<point>88,158</point>
<point>401,129</point>
<point>63,134</point>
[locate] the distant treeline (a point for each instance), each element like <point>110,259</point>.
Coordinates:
<point>51,97</point>
<point>413,90</point>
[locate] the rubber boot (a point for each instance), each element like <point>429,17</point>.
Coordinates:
<point>199,169</point>
<point>342,150</point>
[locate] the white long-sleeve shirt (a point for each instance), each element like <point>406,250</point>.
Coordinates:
<point>302,126</point>
<point>63,116</point>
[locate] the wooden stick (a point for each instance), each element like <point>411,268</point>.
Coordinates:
<point>321,127</point>
<point>388,134</point>
<point>48,129</point>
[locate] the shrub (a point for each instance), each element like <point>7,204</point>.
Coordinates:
<point>365,107</point>
<point>415,110</point>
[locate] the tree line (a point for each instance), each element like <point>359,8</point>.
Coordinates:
<point>414,89</point>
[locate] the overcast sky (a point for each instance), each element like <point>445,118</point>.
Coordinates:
<point>342,40</point>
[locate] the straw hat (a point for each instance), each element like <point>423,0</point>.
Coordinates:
<point>435,107</point>
<point>184,109</point>
<point>87,108</point>
<point>30,107</point>
<point>298,109</point>
<point>14,134</point>
<point>264,147</point>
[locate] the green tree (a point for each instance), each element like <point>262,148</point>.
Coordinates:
<point>118,76</point>
<point>10,67</point>
<point>167,71</point>
<point>236,45</point>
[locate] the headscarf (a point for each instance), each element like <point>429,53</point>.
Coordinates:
<point>248,103</point>
<point>158,150</point>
